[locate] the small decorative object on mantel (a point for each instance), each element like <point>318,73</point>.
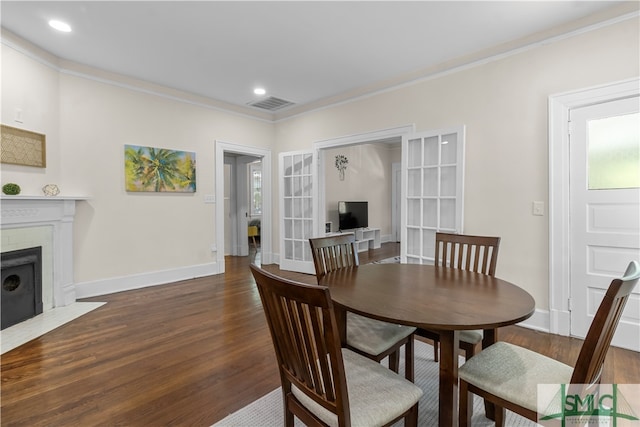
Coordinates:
<point>11,189</point>
<point>50,190</point>
<point>341,165</point>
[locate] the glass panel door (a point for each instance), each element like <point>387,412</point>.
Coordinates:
<point>433,178</point>
<point>297,206</point>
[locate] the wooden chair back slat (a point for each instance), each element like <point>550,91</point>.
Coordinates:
<point>590,361</point>
<point>464,252</point>
<point>333,253</point>
<point>306,341</point>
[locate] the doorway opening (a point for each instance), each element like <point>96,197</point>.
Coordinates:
<point>243,189</point>
<point>369,147</point>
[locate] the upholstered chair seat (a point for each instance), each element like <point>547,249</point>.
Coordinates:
<point>372,336</point>
<point>393,397</point>
<point>513,373</point>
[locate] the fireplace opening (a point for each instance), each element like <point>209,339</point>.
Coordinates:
<point>21,290</point>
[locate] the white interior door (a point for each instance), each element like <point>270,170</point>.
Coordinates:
<point>604,211</point>
<point>432,191</point>
<point>298,202</point>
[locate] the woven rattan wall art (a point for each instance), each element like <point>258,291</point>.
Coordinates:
<point>22,147</point>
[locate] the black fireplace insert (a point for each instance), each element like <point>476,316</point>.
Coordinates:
<point>21,292</point>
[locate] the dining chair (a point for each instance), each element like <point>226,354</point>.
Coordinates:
<point>507,375</point>
<point>322,383</point>
<point>369,337</point>
<point>473,253</point>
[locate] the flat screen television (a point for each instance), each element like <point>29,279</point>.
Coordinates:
<point>353,215</point>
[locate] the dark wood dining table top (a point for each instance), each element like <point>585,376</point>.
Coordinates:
<point>429,297</point>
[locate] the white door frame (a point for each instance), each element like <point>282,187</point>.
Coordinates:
<point>396,202</point>
<point>265,230</point>
<point>559,231</point>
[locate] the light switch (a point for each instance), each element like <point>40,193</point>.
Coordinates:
<point>210,198</point>
<point>538,208</point>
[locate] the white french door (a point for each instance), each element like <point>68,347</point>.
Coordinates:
<point>432,190</point>
<point>298,203</point>
<point>604,204</point>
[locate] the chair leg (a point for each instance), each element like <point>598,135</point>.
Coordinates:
<point>436,350</point>
<point>471,351</point>
<point>465,410</point>
<point>411,419</point>
<point>289,418</point>
<point>500,415</point>
<point>408,360</point>
<point>394,361</point>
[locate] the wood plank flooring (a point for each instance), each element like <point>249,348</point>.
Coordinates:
<point>187,354</point>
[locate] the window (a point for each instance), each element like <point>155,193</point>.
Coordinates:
<point>614,152</point>
<point>255,190</point>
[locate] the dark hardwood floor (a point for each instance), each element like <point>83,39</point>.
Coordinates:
<point>187,353</point>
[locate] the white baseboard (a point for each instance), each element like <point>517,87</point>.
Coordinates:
<point>539,321</point>
<point>143,280</point>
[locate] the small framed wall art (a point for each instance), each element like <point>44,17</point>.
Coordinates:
<point>149,169</point>
<point>22,147</point>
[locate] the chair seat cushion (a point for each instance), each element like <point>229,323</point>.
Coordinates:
<point>473,336</point>
<point>513,373</point>
<point>376,394</point>
<point>374,336</point>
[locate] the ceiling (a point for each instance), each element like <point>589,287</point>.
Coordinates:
<point>303,52</point>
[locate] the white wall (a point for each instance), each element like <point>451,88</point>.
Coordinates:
<point>32,88</point>
<point>503,104</point>
<point>121,239</point>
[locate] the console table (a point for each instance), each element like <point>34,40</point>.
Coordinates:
<point>366,238</point>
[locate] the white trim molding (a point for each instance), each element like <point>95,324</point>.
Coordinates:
<point>143,280</point>
<point>559,248</point>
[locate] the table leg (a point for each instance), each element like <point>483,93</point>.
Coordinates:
<point>448,406</point>
<point>490,337</point>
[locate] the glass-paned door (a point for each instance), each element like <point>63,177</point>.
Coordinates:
<point>432,188</point>
<point>297,207</point>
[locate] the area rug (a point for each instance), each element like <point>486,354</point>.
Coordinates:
<point>267,411</point>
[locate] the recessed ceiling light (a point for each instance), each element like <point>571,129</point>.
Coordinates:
<point>60,26</point>
<point>259,91</point>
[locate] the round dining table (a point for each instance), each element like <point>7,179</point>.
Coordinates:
<point>441,299</point>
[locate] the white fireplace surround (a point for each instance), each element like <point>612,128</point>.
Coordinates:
<point>57,212</point>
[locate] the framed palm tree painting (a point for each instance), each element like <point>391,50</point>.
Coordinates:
<point>152,169</point>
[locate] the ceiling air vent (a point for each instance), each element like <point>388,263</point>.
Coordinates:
<point>271,103</point>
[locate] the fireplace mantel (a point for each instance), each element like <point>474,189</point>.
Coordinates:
<point>23,212</point>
